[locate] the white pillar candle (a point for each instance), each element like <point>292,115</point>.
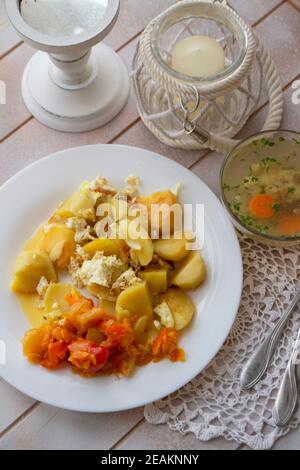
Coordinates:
<point>63,17</point>
<point>198,56</point>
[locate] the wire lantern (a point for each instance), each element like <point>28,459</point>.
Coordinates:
<point>195,113</point>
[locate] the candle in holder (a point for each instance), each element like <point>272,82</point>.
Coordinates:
<point>198,56</point>
<point>74,83</point>
<point>63,17</point>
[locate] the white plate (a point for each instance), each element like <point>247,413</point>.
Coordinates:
<point>29,197</point>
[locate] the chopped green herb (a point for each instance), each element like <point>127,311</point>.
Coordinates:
<point>276,207</point>
<point>237,206</point>
<point>226,187</point>
<point>291,190</point>
<point>281,139</point>
<point>267,142</point>
<point>296,141</point>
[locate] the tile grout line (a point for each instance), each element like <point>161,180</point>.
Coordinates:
<point>11,50</point>
<point>20,418</point>
<point>135,36</point>
<point>16,129</point>
<point>126,129</point>
<point>127,434</point>
<point>293,5</point>
<point>269,13</point>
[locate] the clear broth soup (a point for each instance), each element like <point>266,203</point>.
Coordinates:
<point>261,184</point>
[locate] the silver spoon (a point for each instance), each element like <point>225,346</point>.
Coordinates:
<point>259,362</point>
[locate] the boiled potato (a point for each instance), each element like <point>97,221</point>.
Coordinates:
<point>90,319</point>
<point>29,268</point>
<point>60,244</point>
<point>190,273</point>
<point>101,292</point>
<point>79,205</point>
<point>134,301</point>
<point>145,254</point>
<point>171,249</point>
<point>166,198</point>
<point>55,296</point>
<point>140,326</point>
<point>138,239</point>
<point>107,245</point>
<point>156,279</point>
<point>181,306</point>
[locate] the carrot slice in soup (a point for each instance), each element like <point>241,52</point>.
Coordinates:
<point>289,225</point>
<point>261,206</point>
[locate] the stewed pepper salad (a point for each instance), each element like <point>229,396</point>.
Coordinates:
<point>262,187</point>
<point>125,302</point>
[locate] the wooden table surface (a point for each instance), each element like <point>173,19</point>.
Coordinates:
<point>24,423</point>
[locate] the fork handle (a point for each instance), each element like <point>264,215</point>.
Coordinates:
<point>287,397</point>
<point>259,362</point>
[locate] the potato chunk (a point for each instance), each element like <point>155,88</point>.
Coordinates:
<point>172,249</point>
<point>60,244</point>
<point>55,296</point>
<point>108,246</point>
<point>166,198</point>
<point>134,301</point>
<point>80,205</point>
<point>156,279</point>
<point>181,306</point>
<point>29,268</point>
<point>190,273</point>
<point>138,239</point>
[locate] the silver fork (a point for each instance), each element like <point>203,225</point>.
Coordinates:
<point>287,397</point>
<point>259,362</point>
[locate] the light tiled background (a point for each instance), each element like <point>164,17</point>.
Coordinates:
<point>25,424</point>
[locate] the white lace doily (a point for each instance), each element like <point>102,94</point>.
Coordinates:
<point>213,404</point>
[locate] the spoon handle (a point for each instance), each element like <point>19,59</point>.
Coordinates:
<point>287,397</point>
<point>259,362</point>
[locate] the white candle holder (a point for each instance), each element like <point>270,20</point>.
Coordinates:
<point>67,85</point>
<point>196,113</point>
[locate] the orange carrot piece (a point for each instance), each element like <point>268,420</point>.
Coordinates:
<point>289,225</point>
<point>261,206</point>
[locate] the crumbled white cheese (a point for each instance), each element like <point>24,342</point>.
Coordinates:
<point>127,279</point>
<point>80,252</point>
<point>157,324</point>
<point>132,180</point>
<point>76,223</point>
<point>101,270</point>
<point>42,286</point>
<point>102,185</point>
<point>74,270</point>
<point>165,314</point>
<point>83,231</point>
